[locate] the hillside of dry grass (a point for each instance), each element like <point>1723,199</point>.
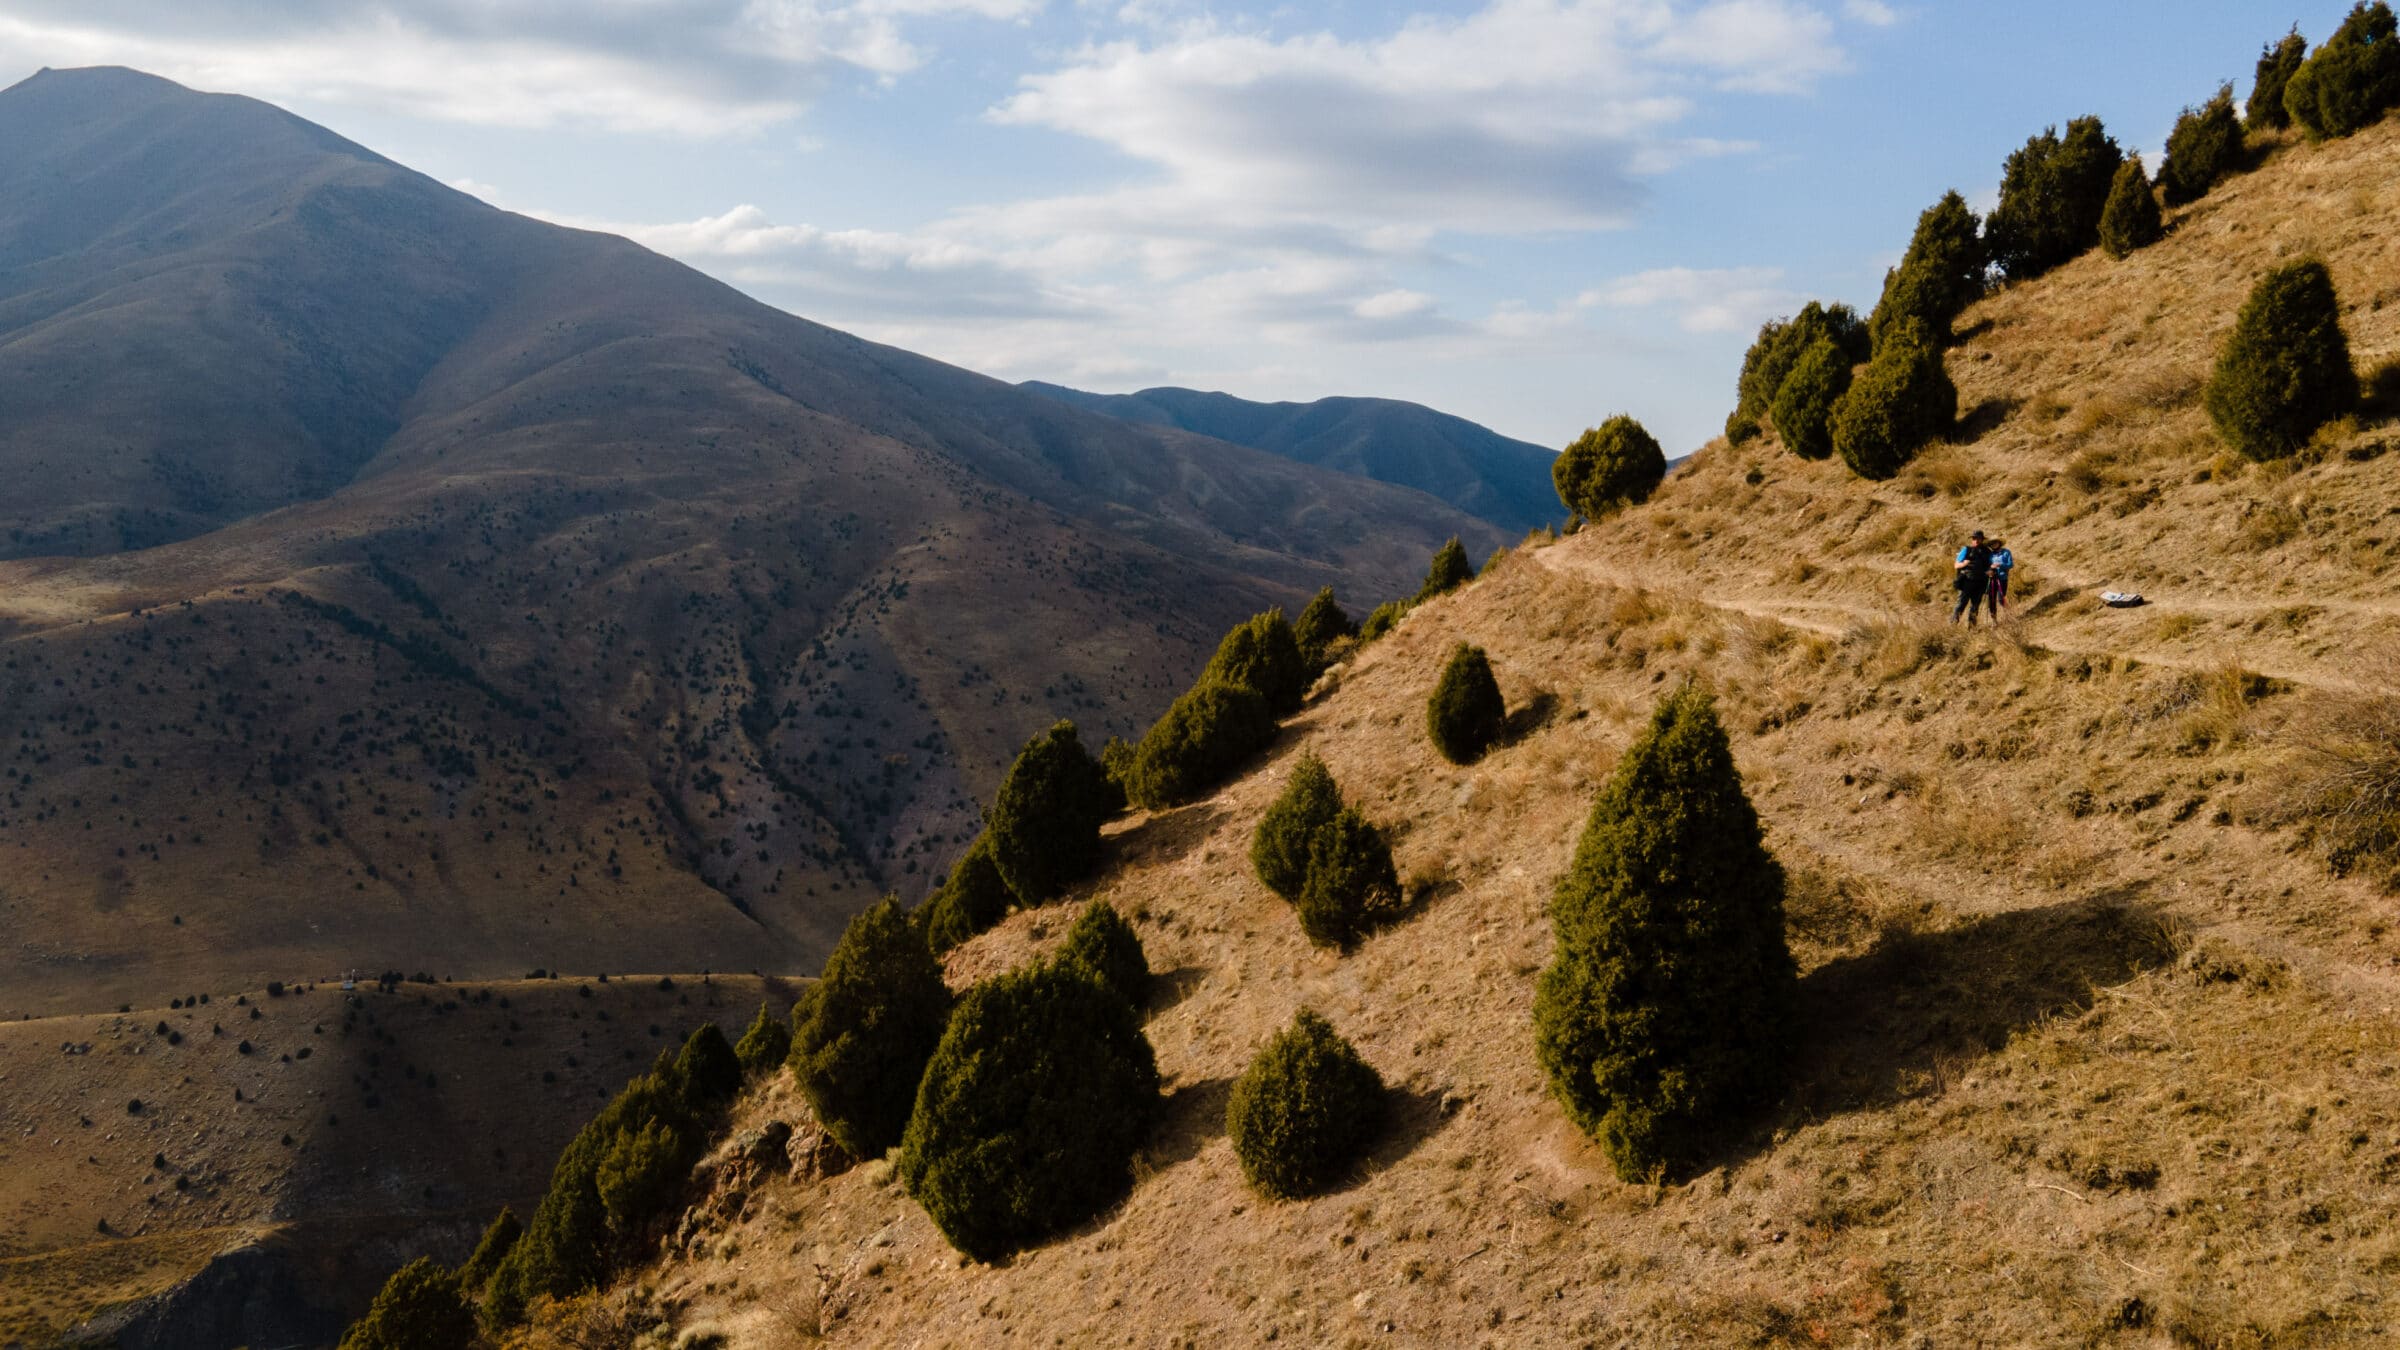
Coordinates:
<point>2096,1050</point>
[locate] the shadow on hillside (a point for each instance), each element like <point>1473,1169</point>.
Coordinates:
<point>1415,1118</point>
<point>2048,601</point>
<point>1985,417</point>
<point>1188,1117</point>
<point>1898,1020</point>
<point>1529,717</point>
<point>1165,836</point>
<point>1169,988</point>
<point>1971,332</point>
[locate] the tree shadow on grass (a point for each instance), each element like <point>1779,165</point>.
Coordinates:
<point>1413,1117</point>
<point>1529,717</point>
<point>1164,837</point>
<point>1189,1115</point>
<point>1984,418</point>
<point>1169,988</point>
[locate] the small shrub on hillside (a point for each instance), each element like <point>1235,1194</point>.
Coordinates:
<point>1320,625</point>
<point>1105,947</point>
<point>1263,652</point>
<point>1939,276</point>
<point>1608,468</point>
<point>1465,713</point>
<point>490,1251</point>
<point>2285,370</point>
<point>419,1308</point>
<point>1030,1110</point>
<point>2277,62</point>
<point>970,900</point>
<point>1899,402</point>
<point>1279,849</point>
<point>1351,881</point>
<point>2132,220</point>
<point>1382,619</point>
<point>639,1172</point>
<point>1447,572</point>
<point>1204,737</point>
<point>2052,191</point>
<point>1116,760</point>
<point>2205,145</point>
<point>1665,1013</point>
<point>710,1070</point>
<point>1778,348</point>
<point>2352,80</point>
<point>1044,825</point>
<point>1803,409</point>
<point>869,1024</point>
<point>1304,1111</point>
<point>767,1043</point>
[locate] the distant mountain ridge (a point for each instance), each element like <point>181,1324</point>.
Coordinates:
<point>1472,467</point>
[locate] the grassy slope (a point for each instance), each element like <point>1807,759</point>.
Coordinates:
<point>2095,1053</point>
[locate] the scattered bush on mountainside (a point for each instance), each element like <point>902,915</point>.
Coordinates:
<point>2132,219</point>
<point>1044,825</point>
<point>1279,848</point>
<point>1263,652</point>
<point>1665,1013</point>
<point>1899,402</point>
<point>636,1175</point>
<point>2052,192</point>
<point>1204,736</point>
<point>861,1038</point>
<point>1104,947</point>
<point>1465,713</point>
<point>1447,572</point>
<point>1320,625</point>
<point>2352,80</point>
<point>1304,1111</point>
<point>2285,370</point>
<point>2277,61</point>
<point>419,1308</point>
<point>767,1043</point>
<point>1381,620</point>
<point>1608,468</point>
<point>1030,1111</point>
<point>2205,145</point>
<point>971,899</point>
<point>1778,348</point>
<point>710,1069</point>
<point>1803,408</point>
<point>490,1250</point>
<point>1939,276</point>
<point>1351,883</point>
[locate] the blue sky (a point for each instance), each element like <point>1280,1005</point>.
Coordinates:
<point>1534,213</point>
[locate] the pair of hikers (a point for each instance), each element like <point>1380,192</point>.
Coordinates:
<point>1980,572</point>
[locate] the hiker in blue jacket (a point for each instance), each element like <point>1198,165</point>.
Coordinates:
<point>1971,573</point>
<point>1995,591</point>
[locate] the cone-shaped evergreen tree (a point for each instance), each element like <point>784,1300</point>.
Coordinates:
<point>1279,850</point>
<point>1263,652</point>
<point>1608,468</point>
<point>1447,572</point>
<point>1105,947</point>
<point>419,1308</point>
<point>867,1028</point>
<point>1304,1110</point>
<point>2277,62</point>
<point>1204,737</point>
<point>971,899</point>
<point>2205,145</point>
<point>1351,883</point>
<point>766,1044</point>
<point>1893,407</point>
<point>2132,220</point>
<point>1803,409</point>
<point>2285,371</point>
<point>2350,81</point>
<point>1664,1015</point>
<point>1319,626</point>
<point>1778,348</point>
<point>710,1070</point>
<point>1465,714</point>
<point>1030,1111</point>
<point>1045,820</point>
<point>1382,619</point>
<point>490,1251</point>
<point>2052,191</point>
<point>1940,275</point>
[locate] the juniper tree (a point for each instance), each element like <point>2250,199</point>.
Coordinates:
<point>1465,713</point>
<point>1778,348</point>
<point>766,1044</point>
<point>1608,468</point>
<point>1304,1110</point>
<point>1204,736</point>
<point>2052,191</point>
<point>1447,572</point>
<point>1045,820</point>
<point>2277,61</point>
<point>1279,848</point>
<point>867,1028</point>
<point>1901,400</point>
<point>1263,652</point>
<point>418,1308</point>
<point>2351,80</point>
<point>970,900</point>
<point>2285,369</point>
<point>2132,220</point>
<point>1665,1012</point>
<point>1939,276</point>
<point>1351,881</point>
<point>1102,945</point>
<point>710,1070</point>
<point>1803,408</point>
<point>2205,145</point>
<point>490,1250</point>
<point>1319,626</point>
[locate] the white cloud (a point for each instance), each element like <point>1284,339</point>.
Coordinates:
<point>1705,300</point>
<point>1873,13</point>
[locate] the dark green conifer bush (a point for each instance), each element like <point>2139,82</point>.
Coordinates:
<point>1351,883</point>
<point>710,1071</point>
<point>2132,220</point>
<point>1030,1110</point>
<point>1447,572</point>
<point>490,1250</point>
<point>1204,737</point>
<point>2205,145</point>
<point>640,1171</point>
<point>1105,947</point>
<point>2277,61</point>
<point>1665,1012</point>
<point>1778,348</point>
<point>970,900</point>
<point>1939,276</point>
<point>1608,468</point>
<point>1044,825</point>
<point>1465,714</point>
<point>419,1308</point>
<point>2285,370</point>
<point>1803,408</point>
<point>1279,849</point>
<point>1304,1111</point>
<point>1263,652</point>
<point>2052,192</point>
<point>1900,401</point>
<point>1322,624</point>
<point>1382,619</point>
<point>767,1043</point>
<point>869,1024</point>
<point>2352,80</point>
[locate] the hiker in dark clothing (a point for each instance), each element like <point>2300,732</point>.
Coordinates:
<point>1995,591</point>
<point>1971,573</point>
